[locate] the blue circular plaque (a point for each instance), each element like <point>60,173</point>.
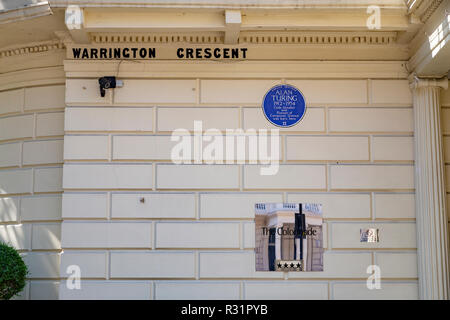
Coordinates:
<point>284,105</point>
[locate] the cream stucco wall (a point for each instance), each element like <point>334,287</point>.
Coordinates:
<point>31,157</point>
<point>193,237</point>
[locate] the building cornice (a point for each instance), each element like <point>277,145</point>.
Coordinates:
<point>271,38</point>
<point>29,48</point>
<point>423,8</point>
<point>234,4</point>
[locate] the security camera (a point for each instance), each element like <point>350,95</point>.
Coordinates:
<point>108,82</point>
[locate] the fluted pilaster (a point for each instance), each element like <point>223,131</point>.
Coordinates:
<point>431,217</point>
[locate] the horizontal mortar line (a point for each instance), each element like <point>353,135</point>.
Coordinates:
<point>394,219</point>
<point>281,132</point>
<point>375,190</point>
<point>43,165</point>
<point>87,278</point>
<point>87,219</point>
<point>29,166</point>
<point>30,139</point>
<point>387,133</point>
<point>31,111</point>
<point>133,249</point>
<point>150,278</point>
<point>408,162</point>
<point>17,140</point>
<point>29,222</point>
<point>7,195</point>
<point>86,160</point>
<point>46,250</point>
<point>229,105</point>
<point>368,219</point>
<point>156,219</point>
<point>226,279</point>
<point>46,279</point>
<point>309,161</point>
<point>216,249</point>
<point>159,219</point>
<point>159,249</point>
<point>47,192</point>
<point>281,189</point>
<point>372,249</point>
<point>148,190</point>
<point>232,190</point>
<point>50,137</point>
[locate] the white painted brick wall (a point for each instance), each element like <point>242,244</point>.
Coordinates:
<point>397,264</point>
<point>108,290</point>
<point>243,91</point>
<point>142,147</point>
<point>16,127</point>
<point>192,290</point>
<point>46,236</point>
<point>272,290</point>
<point>327,148</point>
<point>232,265</point>
<point>86,147</point>
<point>233,205</point>
<point>398,205</point>
<point>48,179</point>
<point>337,91</point>
<point>99,176</point>
<point>106,235</point>
<point>16,181</point>
<point>9,209</point>
<point>18,235</point>
<point>391,92</point>
<point>40,208</point>
<point>46,97</point>
<point>109,119</point>
<point>33,219</point>
<point>156,91</point>
<point>10,154</point>
<point>50,124</point>
<point>388,291</point>
<point>372,177</point>
<point>337,205</point>
<point>82,91</point>
<point>163,249</point>
<point>44,290</point>
<point>371,120</point>
<point>11,101</point>
<point>43,152</point>
<point>172,118</point>
<point>174,264</point>
<point>155,205</point>
<point>42,265</point>
<point>92,264</point>
<point>313,121</point>
<point>85,205</point>
<point>197,176</point>
<point>392,235</point>
<point>197,235</point>
<point>393,148</point>
<point>287,177</point>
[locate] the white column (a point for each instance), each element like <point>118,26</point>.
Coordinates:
<point>431,217</point>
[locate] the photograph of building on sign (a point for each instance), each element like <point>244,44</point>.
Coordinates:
<point>288,237</point>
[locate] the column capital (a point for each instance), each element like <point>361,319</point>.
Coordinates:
<point>415,82</point>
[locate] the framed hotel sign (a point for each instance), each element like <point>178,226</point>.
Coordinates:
<point>284,105</point>
<point>288,237</point>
